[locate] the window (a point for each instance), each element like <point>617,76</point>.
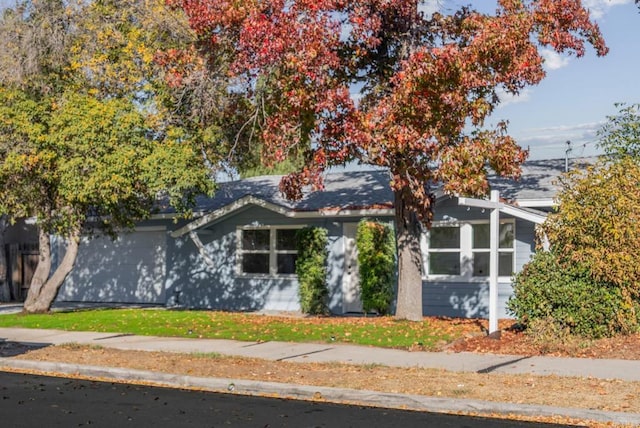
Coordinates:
<point>267,251</point>
<point>255,251</point>
<point>463,249</point>
<point>480,249</point>
<point>444,250</point>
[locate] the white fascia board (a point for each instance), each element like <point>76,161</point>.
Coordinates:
<point>522,214</point>
<point>505,208</point>
<point>214,215</point>
<point>252,200</point>
<point>536,203</point>
<point>479,203</point>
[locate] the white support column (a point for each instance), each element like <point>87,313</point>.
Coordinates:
<point>494,234</point>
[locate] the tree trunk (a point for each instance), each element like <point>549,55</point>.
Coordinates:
<point>5,292</point>
<point>409,303</point>
<point>43,269</point>
<point>41,298</point>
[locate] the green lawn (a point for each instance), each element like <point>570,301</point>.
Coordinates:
<point>376,331</point>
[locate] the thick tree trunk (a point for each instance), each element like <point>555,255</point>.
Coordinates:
<point>43,269</point>
<point>42,296</point>
<point>5,292</point>
<point>409,303</point>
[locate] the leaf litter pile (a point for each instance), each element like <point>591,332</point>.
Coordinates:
<point>589,393</point>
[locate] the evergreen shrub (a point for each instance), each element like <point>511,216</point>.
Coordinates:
<point>311,269</point>
<point>377,265</point>
<point>567,296</point>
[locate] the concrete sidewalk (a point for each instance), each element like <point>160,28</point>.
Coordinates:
<point>308,352</point>
<point>628,370</point>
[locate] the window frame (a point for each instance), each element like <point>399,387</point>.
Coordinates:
<point>427,253</point>
<point>466,251</point>
<point>273,251</point>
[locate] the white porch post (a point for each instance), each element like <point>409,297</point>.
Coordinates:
<point>494,235</point>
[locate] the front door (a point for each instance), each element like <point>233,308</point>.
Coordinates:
<point>351,298</point>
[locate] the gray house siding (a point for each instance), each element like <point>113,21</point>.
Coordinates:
<point>21,233</point>
<point>525,242</point>
<point>447,209</point>
<point>462,299</point>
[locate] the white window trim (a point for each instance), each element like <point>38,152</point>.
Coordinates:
<point>466,252</point>
<point>273,252</point>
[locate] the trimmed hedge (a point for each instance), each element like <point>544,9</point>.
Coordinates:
<point>568,296</point>
<point>311,268</point>
<point>377,265</point>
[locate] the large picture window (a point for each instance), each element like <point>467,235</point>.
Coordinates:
<point>462,250</point>
<point>267,251</point>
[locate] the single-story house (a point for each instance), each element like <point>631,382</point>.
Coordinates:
<point>238,252</point>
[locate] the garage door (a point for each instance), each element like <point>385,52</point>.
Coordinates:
<point>130,269</point>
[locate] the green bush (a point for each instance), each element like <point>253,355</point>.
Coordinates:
<point>376,263</point>
<point>568,295</point>
<point>311,268</point>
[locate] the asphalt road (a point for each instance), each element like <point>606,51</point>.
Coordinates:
<point>39,401</point>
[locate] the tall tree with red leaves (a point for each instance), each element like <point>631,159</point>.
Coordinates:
<point>384,83</point>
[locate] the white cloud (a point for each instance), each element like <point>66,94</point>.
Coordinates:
<point>580,131</point>
<point>599,8</point>
<point>551,142</point>
<point>553,60</point>
<point>507,98</point>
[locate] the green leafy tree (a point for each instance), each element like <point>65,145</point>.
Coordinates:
<point>311,269</point>
<point>620,136</point>
<point>377,265</point>
<point>86,133</point>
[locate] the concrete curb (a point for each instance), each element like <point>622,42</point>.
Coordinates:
<point>337,395</point>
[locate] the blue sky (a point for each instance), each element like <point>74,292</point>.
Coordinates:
<point>572,103</point>
<point>578,94</point>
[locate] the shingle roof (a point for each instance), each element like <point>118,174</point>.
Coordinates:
<point>370,189</point>
<point>538,180</point>
<point>344,190</point>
